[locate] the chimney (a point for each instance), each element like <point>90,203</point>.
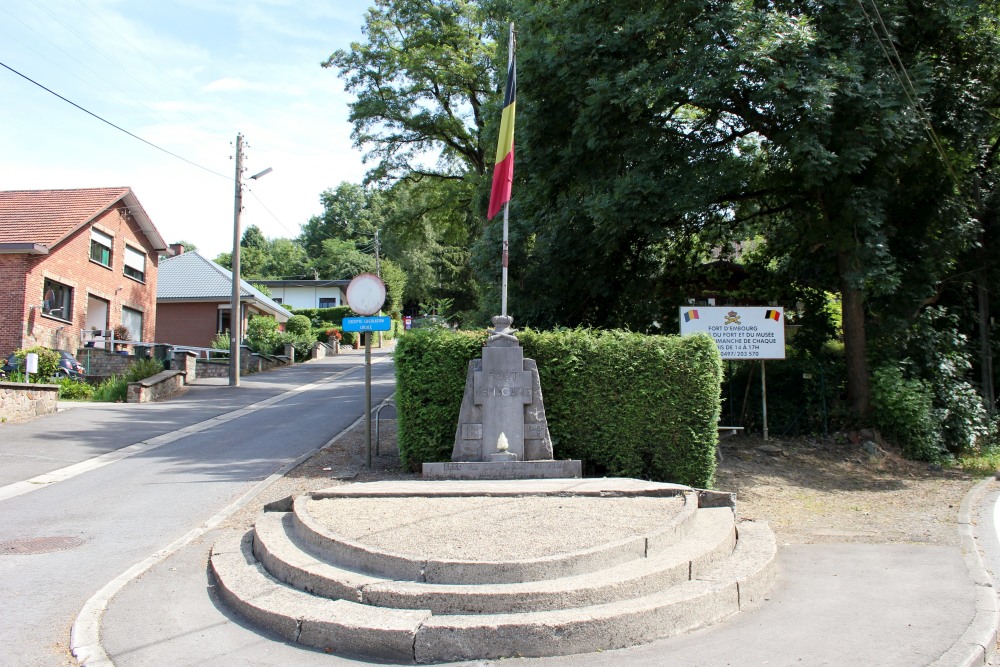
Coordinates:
<point>176,249</point>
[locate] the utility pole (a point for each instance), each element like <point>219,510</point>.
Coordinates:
<point>235,311</point>
<point>378,272</point>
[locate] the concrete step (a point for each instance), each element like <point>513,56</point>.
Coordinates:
<point>733,584</point>
<point>409,635</point>
<point>346,627</point>
<point>324,542</point>
<point>711,537</point>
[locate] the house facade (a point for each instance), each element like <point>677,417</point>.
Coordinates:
<point>307,293</point>
<point>72,261</point>
<point>194,298</point>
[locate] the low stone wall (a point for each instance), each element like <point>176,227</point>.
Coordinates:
<point>250,362</point>
<point>155,387</point>
<point>20,401</point>
<point>101,363</point>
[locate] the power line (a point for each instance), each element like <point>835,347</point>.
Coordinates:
<point>108,122</point>
<point>906,83</point>
<point>276,219</point>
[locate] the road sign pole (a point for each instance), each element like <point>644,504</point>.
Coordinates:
<point>368,395</point>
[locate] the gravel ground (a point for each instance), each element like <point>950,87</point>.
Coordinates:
<point>828,490</point>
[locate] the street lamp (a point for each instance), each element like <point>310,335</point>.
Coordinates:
<point>235,311</point>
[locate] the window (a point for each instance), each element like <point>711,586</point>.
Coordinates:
<point>132,319</point>
<point>222,325</point>
<point>57,300</point>
<point>328,302</point>
<point>135,264</point>
<point>276,299</point>
<point>100,247</point>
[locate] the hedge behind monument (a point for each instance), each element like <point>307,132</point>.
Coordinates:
<point>626,404</point>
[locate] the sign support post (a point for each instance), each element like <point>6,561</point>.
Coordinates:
<point>368,398</point>
<point>763,396</point>
<point>366,296</point>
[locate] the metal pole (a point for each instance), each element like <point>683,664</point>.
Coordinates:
<point>763,396</point>
<point>235,316</point>
<point>503,289</point>
<point>368,396</point>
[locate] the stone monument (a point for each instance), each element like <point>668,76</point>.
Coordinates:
<point>502,432</point>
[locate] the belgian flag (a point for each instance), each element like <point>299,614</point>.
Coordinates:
<point>503,171</point>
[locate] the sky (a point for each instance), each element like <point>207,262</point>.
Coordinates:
<point>186,76</point>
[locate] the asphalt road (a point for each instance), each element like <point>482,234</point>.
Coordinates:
<point>88,492</point>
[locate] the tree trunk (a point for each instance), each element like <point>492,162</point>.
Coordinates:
<point>853,315</point>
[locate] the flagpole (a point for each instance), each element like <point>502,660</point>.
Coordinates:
<point>506,205</point>
<point>503,284</point>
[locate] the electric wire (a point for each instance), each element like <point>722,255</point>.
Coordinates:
<point>264,206</point>
<point>108,122</point>
<point>162,70</point>
<point>906,83</point>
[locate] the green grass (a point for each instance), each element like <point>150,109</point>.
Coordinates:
<point>981,465</point>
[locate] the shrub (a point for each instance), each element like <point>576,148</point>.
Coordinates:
<point>74,390</point>
<point>221,341</point>
<point>625,404</point>
<point>112,390</point>
<point>142,369</point>
<point>298,325</point>
<point>905,415</point>
<point>48,362</point>
<point>263,335</point>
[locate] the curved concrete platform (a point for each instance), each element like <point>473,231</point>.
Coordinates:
<point>548,567</point>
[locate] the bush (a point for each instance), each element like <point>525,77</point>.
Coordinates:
<point>112,390</point>
<point>317,316</point>
<point>905,415</point>
<point>48,362</point>
<point>298,325</point>
<point>625,404</point>
<point>142,369</point>
<point>74,390</point>
<point>221,341</point>
<point>263,335</point>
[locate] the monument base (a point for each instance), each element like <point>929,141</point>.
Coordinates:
<point>504,470</point>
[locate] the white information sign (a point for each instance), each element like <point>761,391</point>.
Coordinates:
<point>740,332</point>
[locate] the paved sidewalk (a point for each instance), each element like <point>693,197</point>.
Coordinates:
<point>833,604</point>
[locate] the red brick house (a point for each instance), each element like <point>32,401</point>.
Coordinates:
<point>75,260</point>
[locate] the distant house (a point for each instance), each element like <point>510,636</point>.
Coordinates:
<point>75,260</point>
<point>193,301</point>
<point>307,293</point>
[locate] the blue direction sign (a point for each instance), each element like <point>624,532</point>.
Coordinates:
<point>383,323</point>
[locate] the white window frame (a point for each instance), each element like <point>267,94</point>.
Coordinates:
<point>136,261</point>
<point>105,241</point>
<point>128,321</point>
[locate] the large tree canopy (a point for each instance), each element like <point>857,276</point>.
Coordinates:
<point>421,81</point>
<point>842,133</point>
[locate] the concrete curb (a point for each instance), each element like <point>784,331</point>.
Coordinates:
<point>977,645</point>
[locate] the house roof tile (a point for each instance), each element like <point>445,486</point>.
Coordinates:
<point>46,217</point>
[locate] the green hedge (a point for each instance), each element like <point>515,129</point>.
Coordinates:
<point>625,404</point>
<point>332,315</point>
